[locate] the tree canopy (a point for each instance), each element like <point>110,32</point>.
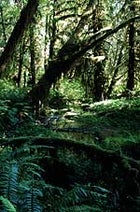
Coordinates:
<point>70,34</point>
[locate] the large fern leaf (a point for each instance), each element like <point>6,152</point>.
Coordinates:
<point>80,197</point>
<point>7,205</point>
<point>9,176</point>
<point>31,201</point>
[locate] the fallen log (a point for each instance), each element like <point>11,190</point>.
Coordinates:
<point>91,150</point>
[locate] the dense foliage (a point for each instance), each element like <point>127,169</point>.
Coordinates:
<point>35,169</point>
<point>69,106</point>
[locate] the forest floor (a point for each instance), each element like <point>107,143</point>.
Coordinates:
<point>112,124</point>
<point>94,145</point>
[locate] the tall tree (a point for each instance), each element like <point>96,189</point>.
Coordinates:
<point>20,62</point>
<point>99,79</point>
<point>131,61</point>
<point>25,19</point>
<point>32,57</point>
<point>3,24</point>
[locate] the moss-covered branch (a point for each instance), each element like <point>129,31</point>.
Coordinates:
<point>91,150</point>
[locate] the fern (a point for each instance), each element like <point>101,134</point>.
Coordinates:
<point>32,203</point>
<point>9,175</point>
<point>7,205</point>
<point>20,178</point>
<point>96,199</point>
<point>83,208</point>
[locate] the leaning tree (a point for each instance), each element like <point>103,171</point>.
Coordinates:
<point>67,55</point>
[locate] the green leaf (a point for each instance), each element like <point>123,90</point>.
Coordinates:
<point>7,204</point>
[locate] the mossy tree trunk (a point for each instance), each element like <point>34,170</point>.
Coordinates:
<point>116,70</point>
<point>3,24</point>
<point>32,78</point>
<point>20,62</point>
<point>26,17</point>
<point>131,61</point>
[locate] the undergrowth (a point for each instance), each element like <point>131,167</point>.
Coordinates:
<point>113,125</point>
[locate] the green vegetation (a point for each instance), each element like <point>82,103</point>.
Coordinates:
<point>69,106</point>
<point>78,182</point>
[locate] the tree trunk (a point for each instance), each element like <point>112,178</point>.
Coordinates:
<point>52,32</point>
<point>99,81</point>
<point>131,64</point>
<point>113,80</point>
<point>25,19</point>
<point>3,24</point>
<point>32,79</point>
<point>40,92</point>
<point>21,54</point>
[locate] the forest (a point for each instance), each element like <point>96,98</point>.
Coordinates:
<point>69,105</point>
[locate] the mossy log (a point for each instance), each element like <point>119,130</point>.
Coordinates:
<point>91,150</point>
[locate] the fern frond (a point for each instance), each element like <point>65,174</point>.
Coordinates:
<point>83,208</point>
<point>80,195</point>
<point>7,205</point>
<point>72,197</point>
<point>31,201</point>
<point>9,175</point>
